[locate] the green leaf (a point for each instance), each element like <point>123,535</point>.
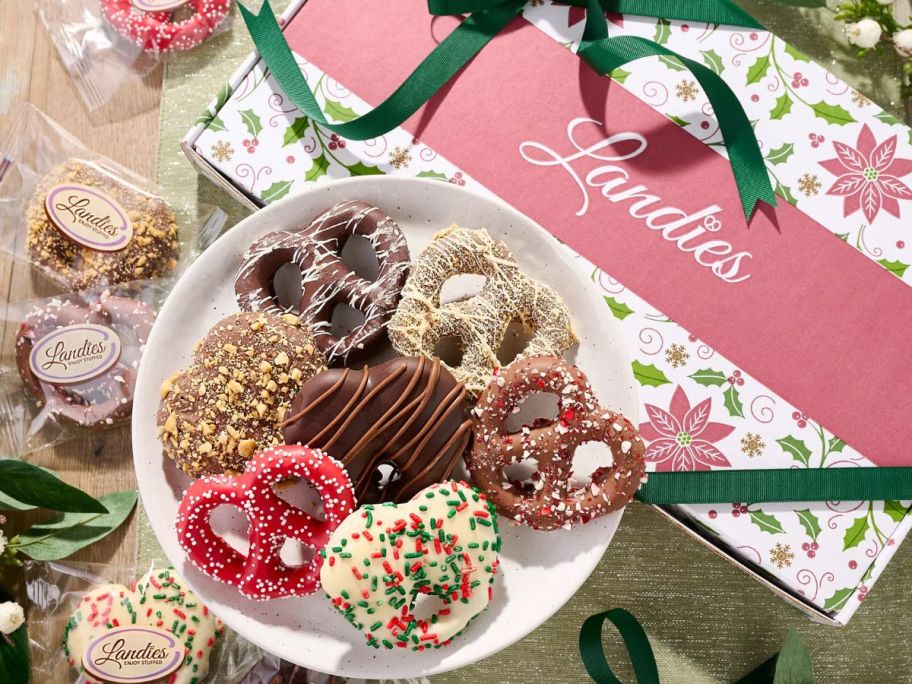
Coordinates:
<point>843,236</point>
<point>252,120</point>
<point>897,268</point>
<point>431,174</point>
<point>796,54</point>
<point>782,107</point>
<point>766,522</point>
<point>29,484</point>
<point>732,402</point>
<point>619,309</point>
<point>793,664</point>
<point>887,118</point>
<point>362,169</point>
<point>663,31</point>
<point>834,114</point>
<point>856,532</point>
<point>835,444</point>
<point>296,130</point>
<point>649,376</point>
<point>895,510</point>
<point>14,658</point>
<point>318,169</point>
<point>222,96</point>
<point>672,63</point>
<point>67,533</point>
<point>796,448</point>
<point>216,125</point>
<point>785,192</point>
<point>276,191</point>
<point>781,154</point>
<point>838,599</point>
<point>339,112</point>
<point>620,75</point>
<point>712,60</point>
<point>678,120</point>
<point>758,69</point>
<point>809,522</point>
<point>708,376</point>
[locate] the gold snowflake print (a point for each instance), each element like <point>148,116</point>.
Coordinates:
<point>222,151</point>
<point>809,185</point>
<point>781,555</point>
<point>399,158</point>
<point>687,90</point>
<point>676,355</point>
<point>860,99</point>
<point>752,445</point>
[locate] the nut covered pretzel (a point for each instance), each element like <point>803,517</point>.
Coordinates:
<point>479,323</point>
<point>326,281</point>
<point>262,574</point>
<point>553,498</point>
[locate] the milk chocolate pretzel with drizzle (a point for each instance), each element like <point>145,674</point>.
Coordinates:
<point>326,281</point>
<point>552,499</point>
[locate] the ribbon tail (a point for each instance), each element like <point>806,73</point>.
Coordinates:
<point>637,643</point>
<point>606,54</point>
<point>454,52</point>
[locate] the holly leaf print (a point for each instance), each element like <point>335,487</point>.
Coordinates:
<point>708,376</point>
<point>712,60</point>
<point>843,236</point>
<point>620,75</point>
<point>296,130</point>
<point>208,116</point>
<point>782,107</point>
<point>895,510</point>
<point>835,444</point>
<point>781,154</point>
<point>362,169</point>
<point>887,118</point>
<point>732,401</point>
<point>809,522</point>
<point>318,169</point>
<point>672,63</point>
<point>797,449</point>
<point>834,114</point>
<point>276,191</point>
<point>431,174</point>
<point>663,31</point>
<point>838,599</point>
<point>339,112</point>
<point>678,120</point>
<point>216,125</point>
<point>897,268</point>
<point>619,309</point>
<point>649,376</point>
<point>785,193</point>
<point>766,522</point>
<point>856,533</point>
<point>252,121</point>
<point>796,54</point>
<point>758,69</point>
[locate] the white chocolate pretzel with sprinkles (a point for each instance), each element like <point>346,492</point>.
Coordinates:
<point>479,323</point>
<point>443,544</point>
<point>262,574</point>
<point>326,281</point>
<point>553,498</point>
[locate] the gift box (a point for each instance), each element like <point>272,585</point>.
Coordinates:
<point>774,343</point>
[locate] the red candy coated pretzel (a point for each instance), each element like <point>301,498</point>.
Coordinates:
<point>262,574</point>
<point>157,32</point>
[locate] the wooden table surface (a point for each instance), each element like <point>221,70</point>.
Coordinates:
<point>31,71</point>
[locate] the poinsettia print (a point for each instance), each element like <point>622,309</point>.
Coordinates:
<point>682,437</point>
<point>868,175</point>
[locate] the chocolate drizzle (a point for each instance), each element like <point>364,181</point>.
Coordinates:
<point>407,413</point>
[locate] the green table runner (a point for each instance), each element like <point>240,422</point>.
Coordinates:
<point>708,621</point>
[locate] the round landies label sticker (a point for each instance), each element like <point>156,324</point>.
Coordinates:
<point>89,217</point>
<point>75,353</point>
<point>133,654</point>
<point>158,5</point>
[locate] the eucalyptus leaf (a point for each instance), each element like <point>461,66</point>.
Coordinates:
<point>67,533</point>
<point>28,484</point>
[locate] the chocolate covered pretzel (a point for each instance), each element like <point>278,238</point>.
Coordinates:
<point>326,281</point>
<point>479,324</point>
<point>553,497</point>
<point>104,397</point>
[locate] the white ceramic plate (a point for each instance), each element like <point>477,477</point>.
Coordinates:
<point>541,570</point>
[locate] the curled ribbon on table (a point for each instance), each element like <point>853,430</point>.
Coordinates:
<point>792,665</point>
<point>486,18</point>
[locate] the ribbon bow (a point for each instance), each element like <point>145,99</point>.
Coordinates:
<point>486,18</point>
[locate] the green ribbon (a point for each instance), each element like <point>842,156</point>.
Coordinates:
<point>486,18</point>
<point>774,485</point>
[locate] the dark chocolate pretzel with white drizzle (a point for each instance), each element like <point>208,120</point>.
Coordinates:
<point>553,498</point>
<point>326,281</point>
